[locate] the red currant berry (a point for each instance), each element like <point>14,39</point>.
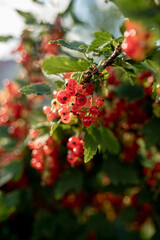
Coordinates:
<point>81,99</point>
<point>75,108</point>
<point>78,151</point>
<point>80,89</point>
<point>87,121</point>
<point>63,97</point>
<point>71,158</point>
<point>99,102</point>
<point>46,109</point>
<point>89,89</point>
<point>33,133</point>
<point>94,110</point>
<point>73,142</point>
<point>51,116</point>
<point>71,85</point>
<point>80,114</point>
<point>64,112</point>
<point>66,119</point>
<point>94,117</point>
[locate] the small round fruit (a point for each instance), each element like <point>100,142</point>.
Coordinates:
<point>63,97</point>
<point>87,121</point>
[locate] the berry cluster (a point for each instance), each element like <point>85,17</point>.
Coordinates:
<point>76,100</point>
<point>138,41</point>
<point>45,157</point>
<point>75,150</point>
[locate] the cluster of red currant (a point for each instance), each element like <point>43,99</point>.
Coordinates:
<point>138,41</point>
<point>75,150</point>
<point>76,99</point>
<point>45,157</point>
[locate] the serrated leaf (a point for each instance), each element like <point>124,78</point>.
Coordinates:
<point>129,92</point>
<point>53,65</point>
<point>36,88</point>
<point>101,37</point>
<point>91,142</point>
<point>70,180</point>
<point>71,46</point>
<point>5,38</point>
<point>109,141</point>
<point>151,132</point>
<point>53,127</point>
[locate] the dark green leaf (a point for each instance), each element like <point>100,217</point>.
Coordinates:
<point>101,37</point>
<point>12,171</point>
<point>91,142</point>
<point>151,132</point>
<point>70,180</point>
<point>53,65</point>
<point>109,141</point>
<point>129,92</point>
<point>119,172</point>
<point>5,38</point>
<point>36,88</point>
<point>8,204</point>
<point>71,46</point>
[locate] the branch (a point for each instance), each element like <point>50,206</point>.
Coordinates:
<point>110,60</point>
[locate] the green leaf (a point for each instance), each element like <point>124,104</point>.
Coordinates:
<point>12,171</point>
<point>53,65</point>
<point>72,46</point>
<point>91,142</point>
<point>120,172</point>
<point>109,141</point>
<point>53,127</point>
<point>101,37</point>
<point>8,204</point>
<point>77,76</point>
<point>29,18</point>
<point>70,180</point>
<point>6,141</point>
<point>145,11</point>
<point>151,132</point>
<point>129,92</point>
<point>36,88</point>
<point>5,38</point>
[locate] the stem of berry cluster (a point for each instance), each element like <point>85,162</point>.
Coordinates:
<point>110,60</point>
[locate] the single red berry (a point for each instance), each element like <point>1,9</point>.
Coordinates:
<point>71,158</point>
<point>81,99</point>
<point>73,142</point>
<point>94,110</point>
<point>78,151</point>
<point>46,109</point>
<point>51,116</point>
<point>87,121</point>
<point>99,102</point>
<point>94,117</point>
<point>33,133</point>
<point>64,112</point>
<point>66,119</point>
<point>89,89</point>
<point>63,97</point>
<point>75,108</point>
<point>80,114</point>
<point>71,85</point>
<point>80,89</point>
